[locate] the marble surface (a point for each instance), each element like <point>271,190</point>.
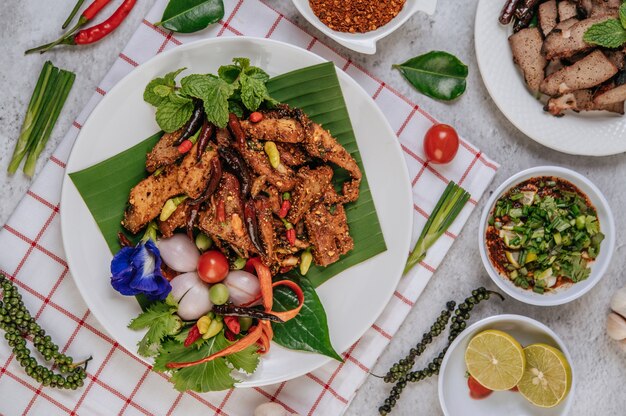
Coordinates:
<point>599,363</point>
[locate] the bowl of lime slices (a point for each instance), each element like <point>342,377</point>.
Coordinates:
<point>507,365</point>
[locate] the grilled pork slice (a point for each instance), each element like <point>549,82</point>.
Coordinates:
<point>266,226</point>
<point>583,100</point>
<point>178,219</point>
<point>328,233</point>
<point>567,10</point>
<point>548,15</point>
<point>617,57</point>
<point>310,188</point>
<point>148,196</point>
<point>586,6</point>
<point>322,145</point>
<point>590,71</point>
<point>164,152</point>
<point>231,228</point>
<point>606,8</point>
<point>282,124</point>
<point>554,66</point>
<point>292,154</point>
<point>526,49</point>
<point>613,96</point>
<point>193,175</point>
<point>566,24</point>
<point>223,137</point>
<point>283,177</point>
<point>569,41</point>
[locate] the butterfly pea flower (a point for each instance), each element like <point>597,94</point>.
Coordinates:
<point>137,270</point>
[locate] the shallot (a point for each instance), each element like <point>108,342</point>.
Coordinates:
<point>192,295</point>
<point>179,252</point>
<point>243,287</point>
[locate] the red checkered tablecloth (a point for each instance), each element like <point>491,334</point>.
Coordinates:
<point>120,383</point>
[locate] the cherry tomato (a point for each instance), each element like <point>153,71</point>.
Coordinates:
<point>212,266</point>
<point>441,143</point>
<point>477,390</point>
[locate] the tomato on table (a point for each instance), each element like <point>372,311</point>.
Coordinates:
<point>441,143</point>
<point>213,266</point>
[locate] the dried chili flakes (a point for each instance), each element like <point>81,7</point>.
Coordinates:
<point>356,15</point>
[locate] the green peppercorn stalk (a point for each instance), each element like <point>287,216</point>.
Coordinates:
<point>401,373</point>
<point>18,323</point>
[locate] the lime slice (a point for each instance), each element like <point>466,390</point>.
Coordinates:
<point>548,376</point>
<point>508,237</point>
<point>512,258</point>
<point>528,198</point>
<point>495,359</point>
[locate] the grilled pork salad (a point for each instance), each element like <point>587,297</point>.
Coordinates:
<point>240,196</point>
<point>567,53</point>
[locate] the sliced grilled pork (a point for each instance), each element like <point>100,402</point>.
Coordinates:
<point>178,219</point>
<point>311,186</point>
<point>328,233</point>
<point>164,152</point>
<point>526,49</point>
<point>569,41</point>
<point>148,196</point>
<point>554,66</point>
<point>548,15</point>
<point>567,10</point>
<point>612,96</point>
<point>193,176</point>
<point>590,71</point>
<point>566,24</point>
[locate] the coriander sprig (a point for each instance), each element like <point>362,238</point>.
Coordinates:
<point>447,209</point>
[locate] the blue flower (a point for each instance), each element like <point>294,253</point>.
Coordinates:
<point>136,270</point>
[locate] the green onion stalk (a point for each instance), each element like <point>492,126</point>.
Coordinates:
<point>447,209</point>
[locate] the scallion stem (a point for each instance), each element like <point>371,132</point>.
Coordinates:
<point>33,110</point>
<point>72,14</point>
<point>447,209</point>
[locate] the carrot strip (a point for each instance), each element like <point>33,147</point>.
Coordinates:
<point>290,314</point>
<point>250,339</point>
<point>265,280</point>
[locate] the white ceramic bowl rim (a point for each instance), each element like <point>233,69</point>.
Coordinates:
<point>483,323</point>
<point>607,227</point>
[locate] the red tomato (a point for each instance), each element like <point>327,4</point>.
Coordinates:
<point>477,390</point>
<point>441,143</point>
<point>213,266</point>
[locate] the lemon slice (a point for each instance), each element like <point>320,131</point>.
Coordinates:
<point>548,376</point>
<point>495,359</point>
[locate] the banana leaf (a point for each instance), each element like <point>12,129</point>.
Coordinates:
<point>105,186</point>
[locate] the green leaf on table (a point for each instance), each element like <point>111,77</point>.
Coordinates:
<point>436,74</point>
<point>188,16</point>
<point>105,186</point>
<point>174,112</point>
<point>609,34</point>
<point>160,320</point>
<point>308,331</point>
<point>159,89</point>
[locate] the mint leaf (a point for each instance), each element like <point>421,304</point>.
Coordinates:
<point>253,90</point>
<point>214,92</point>
<point>164,86</point>
<point>235,108</point>
<point>243,63</point>
<point>229,73</point>
<point>622,15</point>
<point>196,85</point>
<point>174,113</point>
<point>609,34</point>
<point>160,321</point>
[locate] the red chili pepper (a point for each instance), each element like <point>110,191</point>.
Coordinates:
<point>291,236</point>
<point>185,146</point>
<point>255,117</point>
<point>97,32</point>
<point>220,211</point>
<point>194,335</point>
<point>284,209</point>
<point>232,323</point>
<point>93,9</point>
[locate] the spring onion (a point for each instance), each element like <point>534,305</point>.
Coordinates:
<point>447,209</point>
<point>46,103</point>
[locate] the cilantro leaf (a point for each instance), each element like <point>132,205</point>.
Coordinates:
<point>609,34</point>
<point>174,112</point>
<point>246,360</point>
<point>211,376</point>
<point>160,321</point>
<point>158,89</point>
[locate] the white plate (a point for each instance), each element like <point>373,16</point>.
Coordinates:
<point>453,391</point>
<point>590,134</point>
<point>353,299</point>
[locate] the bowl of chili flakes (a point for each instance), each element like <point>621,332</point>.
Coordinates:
<point>359,24</point>
<point>598,265</point>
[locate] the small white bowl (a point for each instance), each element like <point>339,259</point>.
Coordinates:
<point>598,267</point>
<point>366,42</point>
<point>453,390</point>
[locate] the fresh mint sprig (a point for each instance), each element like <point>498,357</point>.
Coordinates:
<point>610,33</point>
<point>237,87</point>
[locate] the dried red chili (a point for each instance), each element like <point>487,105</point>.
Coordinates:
<point>356,15</point>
